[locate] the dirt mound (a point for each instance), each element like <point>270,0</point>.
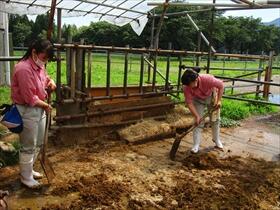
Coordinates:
<point>231,183</point>
<point>95,191</point>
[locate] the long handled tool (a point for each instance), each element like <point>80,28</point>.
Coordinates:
<point>45,162</point>
<point>179,137</point>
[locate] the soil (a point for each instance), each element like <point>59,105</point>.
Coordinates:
<point>107,173</point>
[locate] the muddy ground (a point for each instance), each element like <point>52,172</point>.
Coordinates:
<point>110,174</point>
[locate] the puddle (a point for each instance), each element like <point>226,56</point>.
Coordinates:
<point>274,98</point>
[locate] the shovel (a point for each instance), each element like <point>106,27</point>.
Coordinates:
<point>45,162</point>
<point>179,137</point>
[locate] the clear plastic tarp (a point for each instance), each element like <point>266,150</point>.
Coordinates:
<point>117,12</point>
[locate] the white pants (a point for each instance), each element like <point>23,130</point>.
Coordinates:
<point>200,106</point>
<point>34,125</point>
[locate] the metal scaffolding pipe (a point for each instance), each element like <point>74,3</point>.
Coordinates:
<point>158,51</point>
<point>112,111</point>
<point>201,34</point>
<point>271,5</point>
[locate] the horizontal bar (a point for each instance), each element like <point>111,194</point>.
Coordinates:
<point>10,58</point>
<point>238,8</point>
<point>246,93</point>
<point>98,125</point>
<point>247,80</point>
<point>236,69</point>
<point>241,86</point>
<point>250,100</point>
<point>89,99</point>
<point>159,51</point>
<point>112,111</point>
<point>215,5</point>
<point>182,13</point>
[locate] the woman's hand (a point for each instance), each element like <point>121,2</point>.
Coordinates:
<point>48,108</point>
<point>197,119</point>
<point>218,105</point>
<point>51,85</point>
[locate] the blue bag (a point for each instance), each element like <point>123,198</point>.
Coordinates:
<point>11,118</point>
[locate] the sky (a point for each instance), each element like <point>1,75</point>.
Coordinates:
<point>266,15</point>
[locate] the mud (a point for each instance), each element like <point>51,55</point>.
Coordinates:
<point>106,173</point>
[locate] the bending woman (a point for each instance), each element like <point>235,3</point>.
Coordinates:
<point>201,91</point>
<point>29,84</point>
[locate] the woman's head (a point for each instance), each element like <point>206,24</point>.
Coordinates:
<point>190,77</point>
<point>40,51</point>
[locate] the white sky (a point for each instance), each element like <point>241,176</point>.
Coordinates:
<point>266,15</point>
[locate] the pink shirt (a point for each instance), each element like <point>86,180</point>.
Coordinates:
<point>206,84</point>
<point>29,83</point>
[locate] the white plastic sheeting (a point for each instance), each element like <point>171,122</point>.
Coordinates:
<point>117,12</point>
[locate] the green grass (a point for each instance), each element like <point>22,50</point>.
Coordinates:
<point>117,68</point>
<point>5,93</point>
<point>232,110</point>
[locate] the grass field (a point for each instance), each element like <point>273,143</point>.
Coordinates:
<point>117,69</point>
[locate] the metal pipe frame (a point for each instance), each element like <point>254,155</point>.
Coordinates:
<point>112,111</point>
<point>247,80</point>
<point>76,10</point>
<point>96,98</point>
<point>158,51</point>
<point>216,5</point>
<point>200,32</point>
<point>113,7</point>
<point>250,100</point>
<point>156,41</point>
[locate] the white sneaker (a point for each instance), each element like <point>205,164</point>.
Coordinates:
<point>37,175</point>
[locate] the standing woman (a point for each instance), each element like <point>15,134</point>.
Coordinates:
<point>29,92</point>
<point>201,91</point>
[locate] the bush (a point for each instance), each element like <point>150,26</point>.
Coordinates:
<point>235,110</point>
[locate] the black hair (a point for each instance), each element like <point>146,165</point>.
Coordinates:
<point>40,46</point>
<point>190,75</point>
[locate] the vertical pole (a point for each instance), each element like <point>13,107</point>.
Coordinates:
<point>125,73</point>
<point>246,61</point>
<point>167,68</point>
<point>179,75</point>
<point>198,48</point>
<point>268,74</point>
<point>141,74</point>
<point>108,73</point>
<point>68,60</point>
<point>224,62</point>
<point>73,72</point>
<point>165,6</point>
<point>154,73</point>
<point>259,78</point>
<point>51,17</point>
<point>89,69</point>
<point>211,38</point>
<point>7,48</point>
<point>80,67</point>
<point>151,46</point>
<point>58,63</point>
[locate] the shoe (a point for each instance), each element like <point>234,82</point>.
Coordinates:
<point>194,150</point>
<point>26,169</point>
<point>37,175</point>
<point>219,144</point>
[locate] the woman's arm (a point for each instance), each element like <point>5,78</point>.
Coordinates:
<point>194,113</point>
